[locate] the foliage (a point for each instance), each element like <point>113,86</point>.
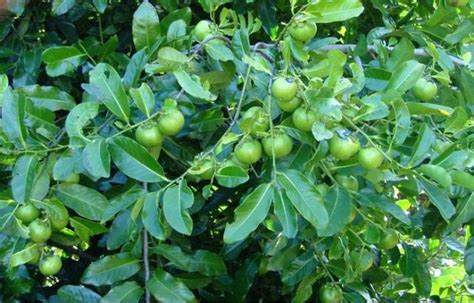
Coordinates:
<point>365,190</point>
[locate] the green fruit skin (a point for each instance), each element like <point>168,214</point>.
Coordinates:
<point>149,136</point>
<point>284,89</point>
<point>27,213</point>
<point>50,265</point>
<point>362,260</point>
<point>348,182</point>
<point>370,158</point>
<point>209,168</point>
<point>202,29</point>
<point>343,149</point>
<point>304,119</point>
<point>39,231</point>
<point>72,179</point>
<point>233,161</point>
<point>281,143</point>
<point>248,152</point>
<point>59,223</point>
<point>171,122</point>
<point>424,90</point>
<point>289,106</point>
<point>303,31</point>
<point>260,122</point>
<point>390,240</point>
<point>330,294</point>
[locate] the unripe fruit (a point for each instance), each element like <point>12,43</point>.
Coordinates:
<point>50,265</point>
<point>280,144</point>
<point>424,90</point>
<point>149,135</point>
<point>171,122</point>
<point>303,31</point>
<point>202,29</point>
<point>284,89</point>
<point>304,118</point>
<point>27,213</point>
<point>343,148</point>
<point>370,158</point>
<point>248,152</point>
<point>40,231</point>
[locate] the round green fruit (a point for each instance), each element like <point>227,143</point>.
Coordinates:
<point>72,179</point>
<point>289,106</point>
<point>60,223</point>
<point>389,240</point>
<point>343,148</point>
<point>424,90</point>
<point>330,294</point>
<point>50,265</point>
<point>362,260</point>
<point>255,120</point>
<point>202,29</point>
<point>208,167</point>
<point>348,182</point>
<point>27,213</point>
<point>284,89</point>
<point>40,231</point>
<point>149,135</point>
<point>304,118</point>
<point>171,122</point>
<point>370,158</point>
<point>303,31</point>
<point>248,152</point>
<point>280,144</point>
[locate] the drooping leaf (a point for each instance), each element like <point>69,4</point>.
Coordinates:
<point>111,269</point>
<point>25,172</point>
<point>177,199</point>
<point>87,202</point>
<point>328,11</point>
<point>96,158</point>
<point>61,60</point>
<point>166,288</point>
<point>77,119</point>
<point>192,86</point>
<point>231,176</point>
<point>286,214</point>
<point>439,198</point>
<point>145,26</point>
<point>143,98</point>
<point>338,203</point>
<point>77,294</point>
<point>153,218</point>
<point>48,97</point>
<point>405,76</point>
<point>128,292</point>
<point>13,116</point>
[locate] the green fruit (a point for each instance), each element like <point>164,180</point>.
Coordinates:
<point>362,260</point>
<point>280,143</point>
<point>289,106</point>
<point>343,148</point>
<point>303,31</point>
<point>284,89</point>
<point>208,167</point>
<point>27,213</point>
<point>40,231</point>
<point>59,223</point>
<point>348,182</point>
<point>233,161</point>
<point>389,240</point>
<point>304,118</point>
<point>248,152</point>
<point>72,179</point>
<point>171,122</point>
<point>50,265</point>
<point>370,158</point>
<point>149,135</point>
<point>255,120</point>
<point>424,90</point>
<point>330,294</point>
<point>202,29</point>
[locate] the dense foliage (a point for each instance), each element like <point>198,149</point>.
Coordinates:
<point>233,151</point>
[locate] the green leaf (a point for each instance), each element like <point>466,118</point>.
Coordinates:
<point>177,199</point>
<point>408,262</point>
<point>86,229</point>
<point>134,160</point>
<point>100,5</point>
<point>172,58</point>
<point>305,288</point>
<point>165,288</point>
<point>193,86</point>
<point>423,108</point>
<point>401,129</point>
<point>111,269</point>
<point>286,214</point>
<point>109,89</point>
<point>13,117</point>
<point>305,198</point>
<point>338,203</point>
<point>122,230</point>
<point>250,213</point>
<point>218,51</point>
<point>299,268</point>
<point>143,98</point>
<point>24,174</point>
<point>336,60</point>
<point>422,279</point>
<point>122,202</point>
<point>456,121</point>
<point>77,294</point>
<point>207,263</point>
<point>48,97</point>
<point>437,173</point>
<point>128,292</point>
<point>96,158</point>
<point>463,179</point>
<point>405,76</point>
<point>61,60</point>
<point>24,256</point>
<point>145,26</point>
<point>464,214</point>
<point>231,176</point>
<point>469,257</point>
<point>404,51</point>
<point>77,119</point>
<point>426,139</point>
<point>54,209</point>
<point>135,68</point>
<point>60,7</point>
<point>439,198</point>
<point>153,218</point>
<point>87,202</point>
<point>328,11</point>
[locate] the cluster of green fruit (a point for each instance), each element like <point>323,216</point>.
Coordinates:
<point>151,133</point>
<point>40,230</point>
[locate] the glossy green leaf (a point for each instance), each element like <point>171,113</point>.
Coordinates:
<point>48,97</point>
<point>469,257</point>
<point>111,269</point>
<point>86,229</point>
<point>166,288</point>
<point>405,76</point>
<point>231,176</point>
<point>77,119</point>
<point>338,203</point>
<point>153,218</point>
<point>286,214</point>
<point>426,139</point>
<point>121,230</point>
<point>128,292</point>
<point>299,268</point>
<point>439,198</point>
<point>463,179</point>
<point>60,7</point>
<point>401,129</point>
<point>304,197</point>
<point>464,213</point>
<point>13,116</point>
<point>218,50</point>
<point>134,160</point>
<point>145,26</point>
<point>87,202</point>
<point>100,5</point>
<point>62,60</point>
<point>24,256</point>
<point>109,89</point>
<point>192,86</point>
<point>53,208</point>
<point>25,172</point>
<point>436,173</point>
<point>177,199</point>
<point>96,158</point>
<point>143,98</point>
<point>77,294</point>
<point>328,11</point>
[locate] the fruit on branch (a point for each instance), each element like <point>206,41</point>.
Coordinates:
<point>27,213</point>
<point>248,151</point>
<point>330,293</point>
<point>149,135</point>
<point>50,265</point>
<point>348,182</point>
<point>40,231</point>
<point>171,121</point>
<point>370,158</point>
<point>303,31</point>
<point>284,89</point>
<point>343,148</point>
<point>304,118</point>
<point>424,90</point>
<point>289,106</point>
<point>73,178</point>
<point>202,29</point>
<point>255,120</point>
<point>362,259</point>
<point>390,239</point>
<point>279,143</point>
